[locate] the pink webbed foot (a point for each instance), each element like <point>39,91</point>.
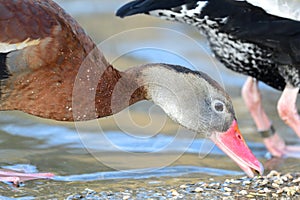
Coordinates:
<point>18,177</point>
<point>277,147</point>
<point>274,143</point>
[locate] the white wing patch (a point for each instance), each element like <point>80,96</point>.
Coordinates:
<point>182,14</point>
<point>197,10</point>
<point>7,47</point>
<point>282,8</point>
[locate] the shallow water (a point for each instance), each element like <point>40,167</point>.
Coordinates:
<point>115,153</point>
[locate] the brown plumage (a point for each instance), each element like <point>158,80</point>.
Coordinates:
<point>51,66</point>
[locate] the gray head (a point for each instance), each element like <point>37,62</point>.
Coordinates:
<point>200,104</point>
<point>190,98</point>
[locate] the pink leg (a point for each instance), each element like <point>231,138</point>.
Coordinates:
<point>275,144</point>
<point>18,177</point>
<point>287,108</point>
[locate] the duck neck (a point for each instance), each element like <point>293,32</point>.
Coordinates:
<point>154,82</point>
<point>115,91</point>
<point>161,83</point>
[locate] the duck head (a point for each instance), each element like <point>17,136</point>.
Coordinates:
<point>200,104</point>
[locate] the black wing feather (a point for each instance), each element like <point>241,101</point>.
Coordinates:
<point>280,34</point>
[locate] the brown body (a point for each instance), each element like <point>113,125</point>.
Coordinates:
<point>44,80</point>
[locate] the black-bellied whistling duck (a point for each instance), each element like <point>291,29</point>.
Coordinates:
<point>251,38</point>
<point>50,68</point>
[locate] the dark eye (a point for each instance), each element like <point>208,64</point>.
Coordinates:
<point>218,106</point>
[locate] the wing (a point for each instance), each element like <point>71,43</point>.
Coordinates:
<point>279,34</point>
<point>22,20</point>
<point>32,32</point>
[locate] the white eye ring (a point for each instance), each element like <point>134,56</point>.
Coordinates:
<point>218,106</point>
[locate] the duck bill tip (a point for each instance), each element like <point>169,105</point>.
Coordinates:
<point>234,145</point>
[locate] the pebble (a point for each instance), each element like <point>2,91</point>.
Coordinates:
<point>126,197</point>
<point>279,191</point>
<point>257,194</point>
<point>264,182</point>
<point>296,180</point>
<point>204,185</point>
<point>199,189</point>
<point>228,180</point>
<point>289,176</point>
<point>267,190</point>
<point>183,186</point>
<point>274,195</point>
<point>284,178</point>
<point>243,192</point>
<point>235,181</point>
<point>274,185</point>
<point>227,198</point>
<point>174,192</point>
<point>278,181</point>
<point>227,189</point>
<point>261,191</point>
<point>214,185</point>
<point>246,182</point>
<point>273,173</point>
<point>227,193</point>
<point>225,184</point>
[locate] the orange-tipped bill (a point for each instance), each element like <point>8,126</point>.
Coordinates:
<point>234,145</point>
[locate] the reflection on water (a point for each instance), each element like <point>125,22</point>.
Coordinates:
<point>101,148</point>
<point>109,141</point>
<point>148,173</point>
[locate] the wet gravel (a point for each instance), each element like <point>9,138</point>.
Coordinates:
<point>272,186</point>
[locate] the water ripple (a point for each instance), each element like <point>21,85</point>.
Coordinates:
<point>148,173</point>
